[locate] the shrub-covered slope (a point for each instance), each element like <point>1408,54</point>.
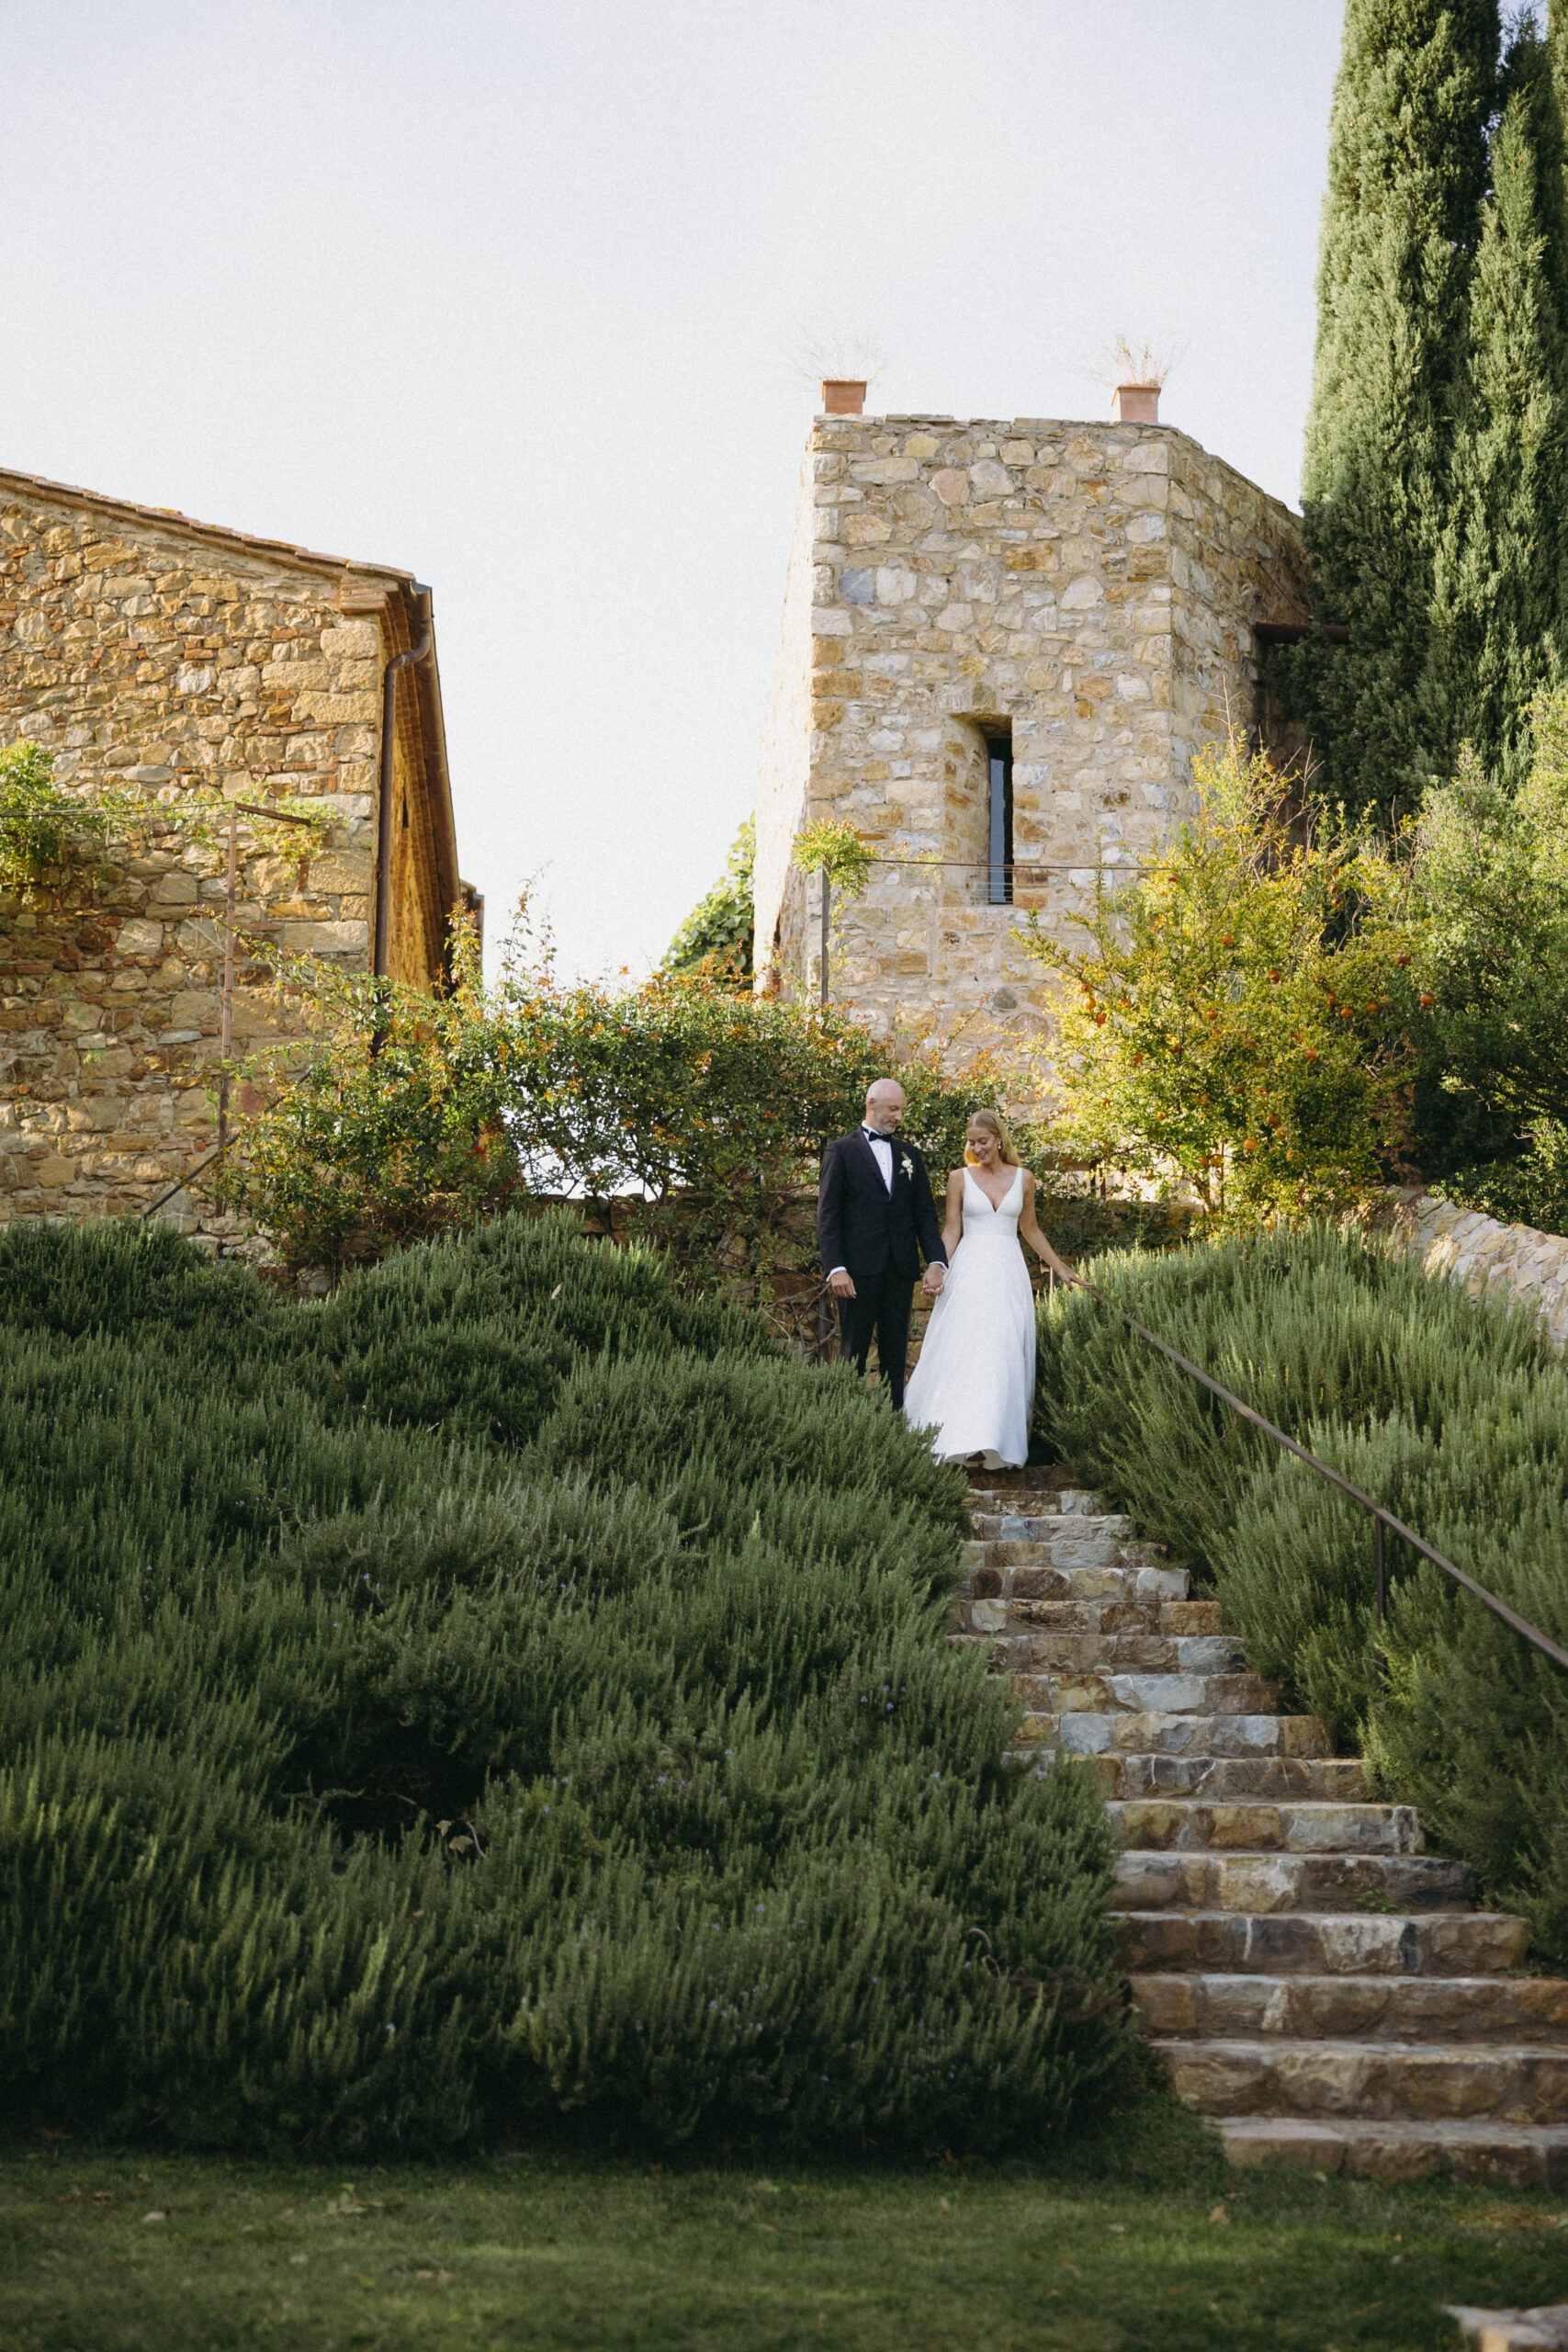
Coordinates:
<point>1453,1413</point>
<point>504,1693</point>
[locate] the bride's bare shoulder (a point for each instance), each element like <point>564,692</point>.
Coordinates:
<point>955,1176</point>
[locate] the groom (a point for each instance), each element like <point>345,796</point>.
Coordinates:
<point>874,1215</point>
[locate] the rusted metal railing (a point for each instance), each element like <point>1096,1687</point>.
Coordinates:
<point>1384,1523</point>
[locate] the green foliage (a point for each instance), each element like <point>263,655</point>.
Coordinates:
<point>1492,877</point>
<point>410,1116</point>
<point>1490,907</point>
<point>1083,1224</point>
<point>1489,913</point>
<point>1529,1187</point>
<point>1500,592</point>
<point>509,1694</point>
<point>38,821</point>
<point>42,827</point>
<point>1435,477</point>
<point>828,844</point>
<point>1453,1414</point>
<point>717,936</point>
<point>1407,175</point>
<point>388,1124</point>
<point>1240,1018</point>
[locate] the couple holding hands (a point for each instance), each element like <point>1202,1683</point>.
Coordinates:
<point>974,1386</point>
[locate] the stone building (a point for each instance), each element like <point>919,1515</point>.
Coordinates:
<point>1002,643</point>
<point>143,649</point>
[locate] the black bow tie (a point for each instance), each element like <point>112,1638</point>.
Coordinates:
<point>872,1137</point>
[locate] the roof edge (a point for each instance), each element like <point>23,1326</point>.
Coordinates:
<point>836,428</point>
<point>397,600</point>
<point>169,518</point>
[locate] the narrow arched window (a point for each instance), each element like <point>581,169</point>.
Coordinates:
<point>999,748</point>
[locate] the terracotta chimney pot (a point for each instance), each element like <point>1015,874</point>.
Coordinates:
<point>1135,405</point>
<point>842,396</point>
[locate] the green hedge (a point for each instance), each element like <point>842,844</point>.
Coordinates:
<point>505,1698</point>
<point>1452,1413</point>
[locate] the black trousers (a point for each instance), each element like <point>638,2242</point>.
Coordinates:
<point>881,1308</point>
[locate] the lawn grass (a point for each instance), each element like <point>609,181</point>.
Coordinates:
<point>1118,2245</point>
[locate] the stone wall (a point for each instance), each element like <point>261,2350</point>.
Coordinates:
<point>1492,1260</point>
<point>1094,587</point>
<point>147,652</point>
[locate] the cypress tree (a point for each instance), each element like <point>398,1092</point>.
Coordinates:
<point>1501,574</point>
<point>1406,183</point>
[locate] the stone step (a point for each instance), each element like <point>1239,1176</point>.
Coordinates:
<point>1206,1881</point>
<point>1092,1732</point>
<point>1328,1780</point>
<point>1038,1499</point>
<point>1362,2008</point>
<point>1097,1653</point>
<point>1525,2155</point>
<point>1143,1694</point>
<point>1515,2082</point>
<point>1027,1652</point>
<point>1053,1531</point>
<point>1141,1592</point>
<point>1003,1653</point>
<point>992,1602</point>
<point>1433,1945</point>
<point>1168,1825</point>
<point>1169,1620</point>
<point>1067,1543</point>
<point>1308,1976</point>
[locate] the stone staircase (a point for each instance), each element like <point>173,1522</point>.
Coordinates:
<point>1311,1978</point>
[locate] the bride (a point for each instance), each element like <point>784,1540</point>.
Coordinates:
<point>974,1385</point>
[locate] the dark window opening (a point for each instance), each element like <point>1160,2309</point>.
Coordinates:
<point>999,879</point>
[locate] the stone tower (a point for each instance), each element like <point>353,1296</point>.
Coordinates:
<point>1002,643</point>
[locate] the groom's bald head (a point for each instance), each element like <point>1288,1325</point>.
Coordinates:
<point>883,1105</point>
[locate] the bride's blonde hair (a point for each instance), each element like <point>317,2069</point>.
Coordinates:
<point>1007,1149</point>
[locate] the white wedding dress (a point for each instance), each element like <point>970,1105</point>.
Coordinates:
<point>974,1385</point>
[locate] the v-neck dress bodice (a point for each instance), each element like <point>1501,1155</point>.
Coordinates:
<point>974,1385</point>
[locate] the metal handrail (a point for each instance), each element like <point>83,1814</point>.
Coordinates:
<point>1382,1519</point>
<point>190,1174</point>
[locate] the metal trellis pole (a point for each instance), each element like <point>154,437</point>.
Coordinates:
<point>275,817</point>
<point>228,978</point>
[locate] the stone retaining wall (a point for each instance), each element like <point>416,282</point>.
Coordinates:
<point>1489,1259</point>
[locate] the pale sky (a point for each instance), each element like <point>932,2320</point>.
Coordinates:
<point>514,294</point>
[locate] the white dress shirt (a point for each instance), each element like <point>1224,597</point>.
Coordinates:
<point>882,1152</point>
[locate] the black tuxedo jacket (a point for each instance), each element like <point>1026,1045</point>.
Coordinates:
<point>863,1227</point>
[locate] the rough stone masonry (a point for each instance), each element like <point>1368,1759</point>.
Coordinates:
<point>144,649</point>
<point>1089,590</point>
